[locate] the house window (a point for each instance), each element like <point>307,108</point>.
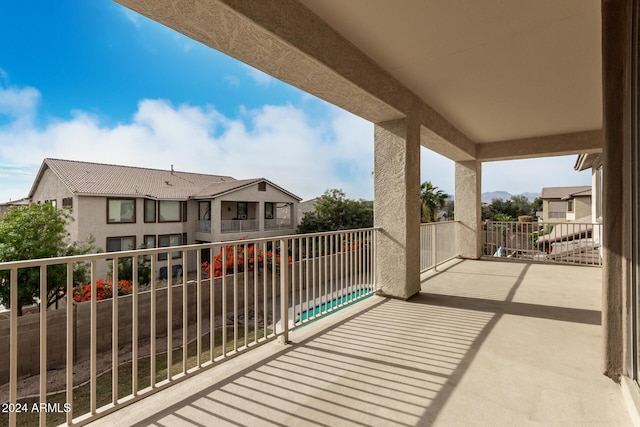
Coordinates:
<point>53,202</point>
<point>242,210</point>
<point>149,241</point>
<point>169,211</point>
<point>262,186</point>
<point>121,211</point>
<point>67,202</point>
<point>117,244</point>
<point>168,240</point>
<point>184,211</point>
<point>204,210</point>
<point>570,205</point>
<point>557,210</point>
<point>149,210</point>
<point>268,210</point>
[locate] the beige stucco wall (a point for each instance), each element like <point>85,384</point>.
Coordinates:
<point>52,188</point>
<point>582,207</point>
<point>224,207</point>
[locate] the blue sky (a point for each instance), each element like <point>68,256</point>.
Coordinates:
<point>92,81</point>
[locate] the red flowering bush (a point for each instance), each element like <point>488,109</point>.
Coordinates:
<point>254,258</point>
<point>104,290</point>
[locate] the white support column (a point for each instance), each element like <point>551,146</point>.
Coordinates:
<point>468,209</point>
<point>397,207</point>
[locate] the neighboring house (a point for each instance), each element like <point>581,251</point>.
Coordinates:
<point>128,207</point>
<point>566,204</point>
<point>593,161</point>
<point>5,206</point>
<point>306,207</point>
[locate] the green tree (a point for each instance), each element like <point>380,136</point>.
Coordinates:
<point>34,232</point>
<point>520,205</point>
<point>334,211</point>
<point>536,205</point>
<point>433,199</point>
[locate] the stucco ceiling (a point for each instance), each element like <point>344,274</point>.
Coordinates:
<point>496,69</point>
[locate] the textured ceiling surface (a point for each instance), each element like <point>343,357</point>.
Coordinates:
<point>496,70</point>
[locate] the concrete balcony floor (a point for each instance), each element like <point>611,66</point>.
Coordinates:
<point>485,343</point>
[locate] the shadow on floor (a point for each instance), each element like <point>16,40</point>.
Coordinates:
<point>394,363</point>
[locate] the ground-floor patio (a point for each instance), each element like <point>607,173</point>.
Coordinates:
<point>484,343</point>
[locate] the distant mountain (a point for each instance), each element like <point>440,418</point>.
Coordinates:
<point>504,195</point>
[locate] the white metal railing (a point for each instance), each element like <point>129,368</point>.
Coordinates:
<point>238,225</point>
<point>278,223</point>
<point>203,226</point>
<point>567,242</point>
<point>437,243</point>
<point>217,308</point>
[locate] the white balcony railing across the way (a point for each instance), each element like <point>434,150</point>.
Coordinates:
<point>278,223</point>
<point>566,242</point>
<point>203,226</point>
<point>214,308</point>
<point>437,243</point>
<point>238,225</point>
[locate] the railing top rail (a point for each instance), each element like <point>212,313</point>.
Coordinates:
<point>439,222</point>
<point>573,223</point>
<point>153,251</point>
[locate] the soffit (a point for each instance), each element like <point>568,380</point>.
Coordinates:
<point>497,70</point>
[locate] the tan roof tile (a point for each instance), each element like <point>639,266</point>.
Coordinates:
<point>561,192</point>
<point>105,179</point>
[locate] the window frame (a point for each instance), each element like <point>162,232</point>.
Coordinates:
<point>181,211</point>
<point>133,237</point>
<point>109,199</point>
<point>67,202</point>
<point>148,236</point>
<point>570,205</point>
<point>146,211</point>
<point>266,212</point>
<point>246,210</point>
<point>174,254</point>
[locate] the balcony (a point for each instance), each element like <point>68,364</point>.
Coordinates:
<point>238,225</point>
<point>278,224</point>
<point>485,343</point>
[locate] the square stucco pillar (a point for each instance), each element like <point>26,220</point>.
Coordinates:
<point>397,207</point>
<point>468,211</point>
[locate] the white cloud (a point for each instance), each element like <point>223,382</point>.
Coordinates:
<point>259,78</point>
<point>131,16</point>
<point>280,143</point>
<point>19,104</point>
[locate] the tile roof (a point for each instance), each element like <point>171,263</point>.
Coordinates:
<point>562,192</point>
<point>104,179</point>
<point>218,188</point>
<point>582,193</point>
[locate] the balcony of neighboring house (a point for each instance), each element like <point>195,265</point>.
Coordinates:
<point>491,342</point>
<point>278,216</point>
<point>240,219</point>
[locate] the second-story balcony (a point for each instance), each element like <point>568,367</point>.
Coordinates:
<point>483,343</point>
<point>278,224</point>
<point>239,225</point>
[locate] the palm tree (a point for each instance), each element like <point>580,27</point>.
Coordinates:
<point>432,198</point>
